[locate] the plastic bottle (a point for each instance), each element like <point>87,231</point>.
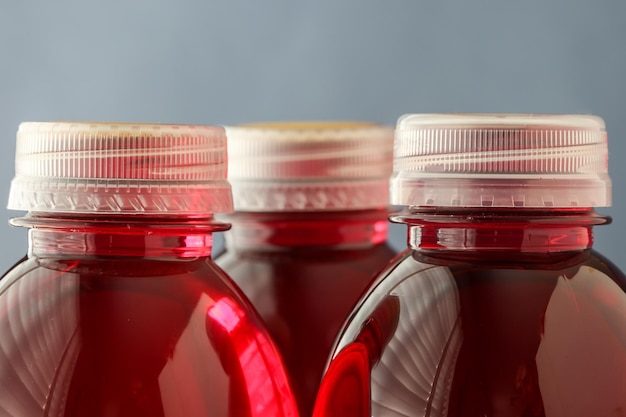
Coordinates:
<point>309,231</point>
<point>499,306</point>
<point>118,309</point>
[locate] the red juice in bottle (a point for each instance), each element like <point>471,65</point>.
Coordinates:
<point>118,309</point>
<point>501,307</point>
<point>309,231</point>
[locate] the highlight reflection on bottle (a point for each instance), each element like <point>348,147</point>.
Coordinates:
<point>583,339</point>
<point>408,343</point>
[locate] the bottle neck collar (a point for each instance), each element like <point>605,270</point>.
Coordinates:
<point>281,231</point>
<point>134,236</point>
<point>499,230</point>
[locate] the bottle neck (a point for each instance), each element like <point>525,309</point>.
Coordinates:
<point>338,229</point>
<point>498,230</point>
<point>132,236</point>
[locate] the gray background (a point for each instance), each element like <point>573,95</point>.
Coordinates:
<point>232,61</point>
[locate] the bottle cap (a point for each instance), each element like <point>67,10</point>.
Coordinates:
<point>310,166</point>
<point>501,160</point>
<point>120,168</point>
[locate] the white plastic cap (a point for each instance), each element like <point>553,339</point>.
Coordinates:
<point>310,166</point>
<point>501,160</point>
<point>120,168</point>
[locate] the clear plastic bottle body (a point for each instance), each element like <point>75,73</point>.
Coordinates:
<point>129,316</point>
<point>304,272</point>
<point>500,312</point>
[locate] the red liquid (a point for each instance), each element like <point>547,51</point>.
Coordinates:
<point>161,332</point>
<point>489,332</point>
<point>304,272</point>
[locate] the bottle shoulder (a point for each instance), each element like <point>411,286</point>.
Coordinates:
<point>369,260</point>
<point>313,253</point>
<point>200,273</point>
<point>427,278</point>
<point>411,262</point>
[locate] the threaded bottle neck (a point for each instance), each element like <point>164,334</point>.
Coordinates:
<point>500,230</point>
<point>120,236</point>
<point>320,230</point>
